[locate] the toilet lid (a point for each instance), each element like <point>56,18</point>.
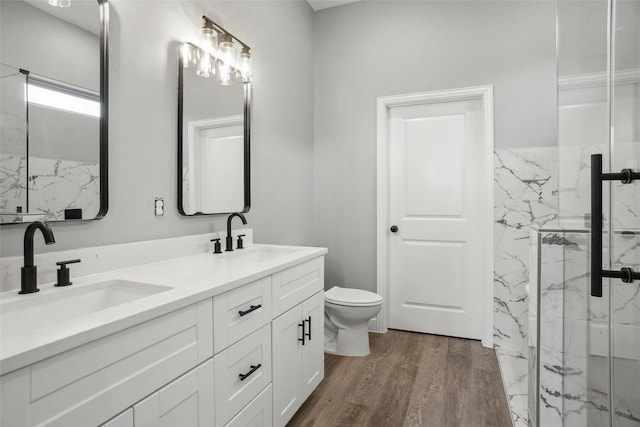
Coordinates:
<point>350,296</point>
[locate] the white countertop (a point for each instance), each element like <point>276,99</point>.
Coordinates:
<point>193,278</point>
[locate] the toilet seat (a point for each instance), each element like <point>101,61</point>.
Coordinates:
<point>351,297</point>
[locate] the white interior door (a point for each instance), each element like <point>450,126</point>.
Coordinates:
<point>221,181</point>
<point>437,200</point>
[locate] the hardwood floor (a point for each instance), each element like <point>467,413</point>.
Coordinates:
<point>410,379</point>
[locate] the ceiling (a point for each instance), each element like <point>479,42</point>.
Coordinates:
<point>324,4</point>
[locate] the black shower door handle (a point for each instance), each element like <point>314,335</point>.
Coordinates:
<point>626,274</point>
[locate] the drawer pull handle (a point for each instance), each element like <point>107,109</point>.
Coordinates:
<point>251,371</point>
<point>252,308</point>
<point>303,334</point>
<point>308,334</point>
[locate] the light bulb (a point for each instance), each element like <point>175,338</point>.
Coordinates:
<point>244,65</point>
<point>60,3</point>
<point>205,66</point>
<point>210,35</point>
<point>226,59</point>
<point>190,55</point>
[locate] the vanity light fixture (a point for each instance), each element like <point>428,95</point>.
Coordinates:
<point>60,3</point>
<point>217,55</point>
<point>244,64</point>
<point>226,60</point>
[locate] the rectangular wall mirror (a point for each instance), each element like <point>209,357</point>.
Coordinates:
<point>213,142</point>
<point>53,110</point>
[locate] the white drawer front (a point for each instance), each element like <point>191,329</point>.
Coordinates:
<point>241,311</point>
<point>125,419</point>
<point>186,401</point>
<point>244,357</point>
<point>258,413</point>
<point>296,284</point>
<point>90,384</point>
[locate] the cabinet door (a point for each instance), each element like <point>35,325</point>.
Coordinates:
<point>287,365</point>
<point>186,401</point>
<point>313,349</point>
<point>125,419</point>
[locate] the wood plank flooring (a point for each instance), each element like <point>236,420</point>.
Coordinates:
<point>410,379</point>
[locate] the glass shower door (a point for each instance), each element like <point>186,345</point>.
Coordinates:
<point>599,113</point>
<point>583,130</point>
<point>625,211</point>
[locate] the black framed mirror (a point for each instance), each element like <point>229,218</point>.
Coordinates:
<point>54,110</point>
<point>213,142</point>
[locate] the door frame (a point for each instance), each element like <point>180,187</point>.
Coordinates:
<point>384,104</point>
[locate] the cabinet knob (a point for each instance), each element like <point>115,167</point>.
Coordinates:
<point>394,228</point>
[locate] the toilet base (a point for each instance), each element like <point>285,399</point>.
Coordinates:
<point>350,342</point>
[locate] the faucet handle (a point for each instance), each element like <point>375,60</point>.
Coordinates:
<point>63,272</point>
<point>217,247</point>
<point>240,243</point>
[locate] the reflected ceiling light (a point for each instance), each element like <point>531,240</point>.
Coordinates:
<point>60,3</point>
<point>190,54</point>
<point>206,66</point>
<point>217,55</point>
<point>59,100</point>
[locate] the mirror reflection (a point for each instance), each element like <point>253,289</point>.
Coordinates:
<point>213,137</point>
<point>50,111</point>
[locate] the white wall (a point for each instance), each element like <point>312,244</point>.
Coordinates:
<point>377,48</point>
<point>143,124</point>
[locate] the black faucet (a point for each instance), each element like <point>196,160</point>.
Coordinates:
<point>229,240</point>
<point>29,279</point>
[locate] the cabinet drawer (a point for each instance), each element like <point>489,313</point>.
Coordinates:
<point>257,413</point>
<point>296,284</point>
<point>186,401</point>
<point>250,357</point>
<point>88,385</point>
<point>125,419</point>
<point>241,311</point>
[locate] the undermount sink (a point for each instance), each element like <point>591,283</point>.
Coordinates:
<point>261,253</point>
<point>26,313</point>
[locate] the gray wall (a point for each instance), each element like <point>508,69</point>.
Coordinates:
<point>143,125</point>
<point>378,48</point>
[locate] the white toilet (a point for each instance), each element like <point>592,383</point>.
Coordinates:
<point>347,313</point>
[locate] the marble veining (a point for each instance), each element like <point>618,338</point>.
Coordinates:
<point>53,186</point>
<point>513,368</point>
<point>525,194</point>
<point>574,339</point>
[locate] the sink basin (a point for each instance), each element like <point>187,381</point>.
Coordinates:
<point>27,313</point>
<point>261,253</point>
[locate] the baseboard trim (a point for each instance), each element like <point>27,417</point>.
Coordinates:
<point>374,326</point>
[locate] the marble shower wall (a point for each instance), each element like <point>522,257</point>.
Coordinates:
<point>524,194</point>
<point>574,337</point>
<point>76,184</point>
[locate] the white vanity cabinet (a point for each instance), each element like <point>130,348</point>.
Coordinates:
<point>234,359</point>
<point>124,419</point>
<point>90,384</point>
<point>298,363</point>
<point>186,401</point>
